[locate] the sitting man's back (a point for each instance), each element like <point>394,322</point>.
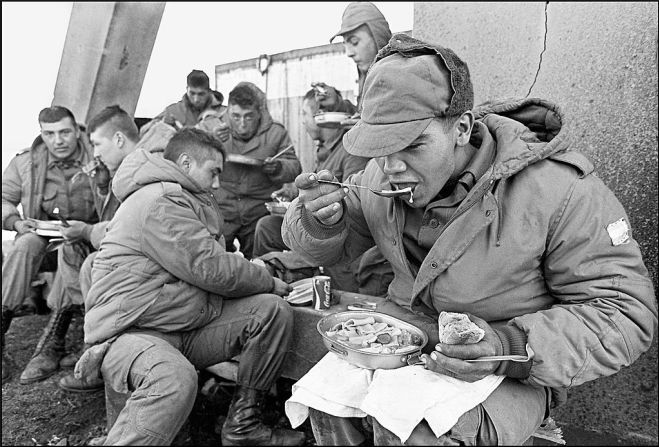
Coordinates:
<point>167,298</point>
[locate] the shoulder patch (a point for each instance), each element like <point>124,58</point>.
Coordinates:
<point>618,232</point>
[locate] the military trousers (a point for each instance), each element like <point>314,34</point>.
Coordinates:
<point>28,257</point>
<point>159,370</point>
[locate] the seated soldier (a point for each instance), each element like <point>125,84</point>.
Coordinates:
<point>113,135</point>
<point>166,298</point>
<point>45,180</point>
<point>330,155</point>
<point>198,98</point>
<point>245,188</point>
<point>499,218</point>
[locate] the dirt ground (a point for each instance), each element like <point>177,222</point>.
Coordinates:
<point>43,414</point>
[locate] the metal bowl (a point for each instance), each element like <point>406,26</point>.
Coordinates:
<point>369,360</point>
<point>331,119</point>
<point>243,160</point>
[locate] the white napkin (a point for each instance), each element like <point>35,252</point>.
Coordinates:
<point>333,386</point>
<point>398,398</point>
<point>401,398</point>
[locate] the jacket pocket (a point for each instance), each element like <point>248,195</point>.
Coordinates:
<point>48,202</point>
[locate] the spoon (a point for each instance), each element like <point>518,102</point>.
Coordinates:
<point>59,216</point>
<point>382,192</point>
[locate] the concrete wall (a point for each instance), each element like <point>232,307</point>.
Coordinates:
<point>598,61</point>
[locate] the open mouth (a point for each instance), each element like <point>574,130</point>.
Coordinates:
<point>405,189</point>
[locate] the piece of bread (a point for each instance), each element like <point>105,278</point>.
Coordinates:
<point>458,329</point>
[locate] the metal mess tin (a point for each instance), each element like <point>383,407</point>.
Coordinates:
<point>370,360</point>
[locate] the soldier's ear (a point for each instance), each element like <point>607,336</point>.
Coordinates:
<point>184,162</point>
<point>119,139</point>
<point>464,127</point>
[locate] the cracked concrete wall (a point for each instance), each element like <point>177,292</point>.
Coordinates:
<point>598,62</point>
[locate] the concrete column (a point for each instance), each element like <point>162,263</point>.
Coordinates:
<point>107,50</point>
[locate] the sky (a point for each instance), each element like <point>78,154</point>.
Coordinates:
<point>191,35</point>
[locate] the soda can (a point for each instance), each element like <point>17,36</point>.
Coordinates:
<point>322,292</point>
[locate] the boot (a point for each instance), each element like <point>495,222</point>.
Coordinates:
<point>84,385</point>
<point>7,315</point>
<point>244,425</point>
<point>50,349</point>
<point>70,360</point>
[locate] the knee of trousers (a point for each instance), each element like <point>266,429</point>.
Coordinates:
<point>176,380</point>
<point>28,243</point>
<point>278,310</point>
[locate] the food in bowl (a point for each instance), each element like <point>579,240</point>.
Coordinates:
<point>458,329</point>
<point>367,335</point>
<point>277,208</point>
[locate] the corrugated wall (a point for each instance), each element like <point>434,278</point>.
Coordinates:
<point>598,62</point>
<point>287,79</point>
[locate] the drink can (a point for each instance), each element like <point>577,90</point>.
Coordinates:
<point>322,292</point>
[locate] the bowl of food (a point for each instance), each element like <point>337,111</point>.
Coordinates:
<point>277,208</point>
<point>331,119</point>
<point>371,340</point>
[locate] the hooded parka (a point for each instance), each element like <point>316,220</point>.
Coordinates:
<point>244,189</point>
<point>162,264</point>
<point>531,245</point>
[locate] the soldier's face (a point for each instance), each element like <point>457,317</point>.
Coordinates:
<point>198,96</point>
<point>61,138</point>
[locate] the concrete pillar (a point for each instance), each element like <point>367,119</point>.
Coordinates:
<point>107,50</point>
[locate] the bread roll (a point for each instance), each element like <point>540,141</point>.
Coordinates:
<point>458,329</point>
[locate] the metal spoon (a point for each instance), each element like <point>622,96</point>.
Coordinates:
<point>512,358</point>
<point>383,192</point>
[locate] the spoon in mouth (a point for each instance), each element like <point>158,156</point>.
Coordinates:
<point>380,192</point>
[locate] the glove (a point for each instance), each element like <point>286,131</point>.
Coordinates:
<point>271,167</point>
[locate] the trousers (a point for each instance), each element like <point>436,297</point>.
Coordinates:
<point>509,416</point>
<point>28,257</point>
<point>159,370</point>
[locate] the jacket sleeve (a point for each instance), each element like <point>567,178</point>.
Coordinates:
<point>606,315</point>
<point>174,237</point>
<point>11,195</point>
<point>290,165</point>
<point>342,242</point>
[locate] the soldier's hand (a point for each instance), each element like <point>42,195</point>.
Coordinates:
<point>76,230</point>
<point>328,97</point>
<point>286,192</point>
<point>281,288</point>
<point>450,359</point>
<point>322,200</point>
<point>222,132</point>
<point>271,166</point>
<point>24,226</point>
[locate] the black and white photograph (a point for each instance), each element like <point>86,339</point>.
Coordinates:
<point>330,223</point>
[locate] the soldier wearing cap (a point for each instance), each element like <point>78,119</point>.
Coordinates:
<point>505,222</point>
